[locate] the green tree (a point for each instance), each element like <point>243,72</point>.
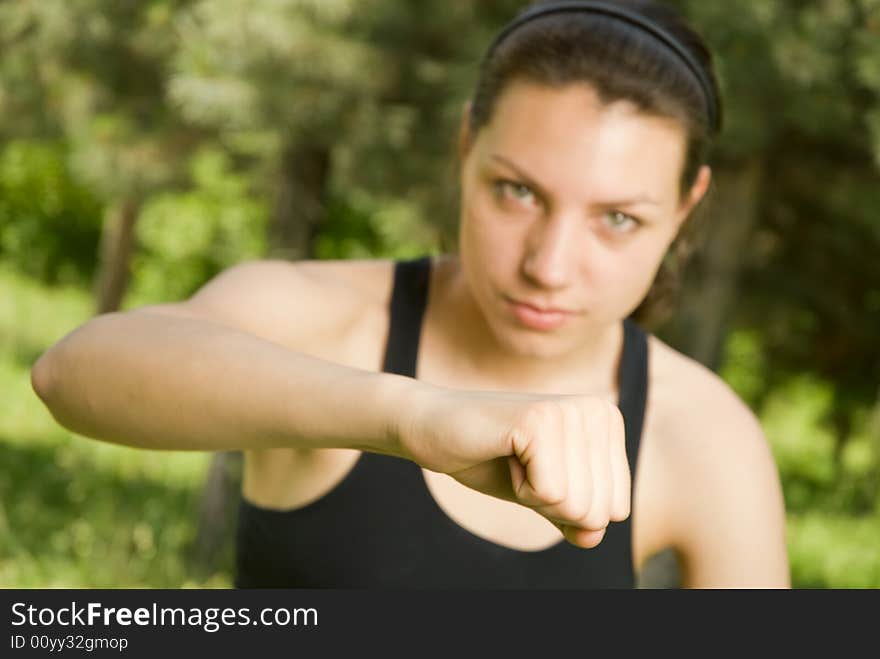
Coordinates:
<point>91,74</point>
<point>790,242</point>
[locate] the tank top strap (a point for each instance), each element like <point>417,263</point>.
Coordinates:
<point>409,297</point>
<point>632,382</point>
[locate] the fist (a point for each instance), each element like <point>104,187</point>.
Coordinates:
<point>562,456</point>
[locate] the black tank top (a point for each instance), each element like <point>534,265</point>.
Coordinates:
<point>380,528</point>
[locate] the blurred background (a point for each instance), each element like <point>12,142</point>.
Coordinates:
<point>147,144</point>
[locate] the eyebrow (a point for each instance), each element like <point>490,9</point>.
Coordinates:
<point>531,182</point>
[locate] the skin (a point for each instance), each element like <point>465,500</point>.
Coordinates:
<point>542,221</point>
<point>255,358</point>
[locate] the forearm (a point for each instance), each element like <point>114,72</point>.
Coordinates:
<point>166,382</point>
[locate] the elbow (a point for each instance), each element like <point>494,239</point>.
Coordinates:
<point>45,381</point>
<point>43,377</point>
<point>51,372</point>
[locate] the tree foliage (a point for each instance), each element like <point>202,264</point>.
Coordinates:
<point>50,222</point>
<point>213,121</point>
<point>802,81</point>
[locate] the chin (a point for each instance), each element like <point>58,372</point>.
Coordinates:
<point>533,344</point>
<point>540,350</point>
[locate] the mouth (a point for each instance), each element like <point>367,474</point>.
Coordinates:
<point>539,318</point>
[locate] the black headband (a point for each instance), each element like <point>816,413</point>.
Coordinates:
<point>633,18</point>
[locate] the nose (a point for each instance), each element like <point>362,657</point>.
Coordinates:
<point>549,259</point>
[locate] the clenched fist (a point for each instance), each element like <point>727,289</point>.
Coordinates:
<point>563,456</point>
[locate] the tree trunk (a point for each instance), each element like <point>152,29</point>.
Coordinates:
<point>841,423</point>
<point>217,511</point>
<point>299,211</point>
<point>117,241</point>
<point>661,570</point>
<point>300,202</point>
<point>874,433</point>
<point>710,288</point>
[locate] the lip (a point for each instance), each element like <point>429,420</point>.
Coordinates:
<point>537,318</point>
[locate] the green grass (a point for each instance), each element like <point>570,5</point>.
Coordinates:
<point>75,512</point>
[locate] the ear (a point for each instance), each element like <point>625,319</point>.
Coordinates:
<point>464,132</point>
<point>697,192</point>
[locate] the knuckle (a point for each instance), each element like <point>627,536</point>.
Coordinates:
<point>550,494</point>
<point>574,511</point>
<point>552,498</point>
<point>620,513</point>
<point>575,422</point>
<point>540,424</point>
<point>541,414</point>
<point>595,520</point>
<point>596,412</point>
<point>623,506</point>
<point>555,409</point>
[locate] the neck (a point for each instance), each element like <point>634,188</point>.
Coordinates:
<point>588,367</point>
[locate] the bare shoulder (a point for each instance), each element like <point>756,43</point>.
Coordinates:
<point>704,429</point>
<point>293,303</point>
<point>693,404</point>
<point>716,475</point>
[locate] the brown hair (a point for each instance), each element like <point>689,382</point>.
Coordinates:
<point>621,61</point>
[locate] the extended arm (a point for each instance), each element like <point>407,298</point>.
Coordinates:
<point>219,373</point>
<point>183,377</point>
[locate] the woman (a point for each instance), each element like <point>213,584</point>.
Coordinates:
<point>492,418</point>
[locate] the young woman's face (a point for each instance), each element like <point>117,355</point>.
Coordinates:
<point>568,205</point>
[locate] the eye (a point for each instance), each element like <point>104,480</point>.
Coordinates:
<point>621,222</point>
<point>515,191</point>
